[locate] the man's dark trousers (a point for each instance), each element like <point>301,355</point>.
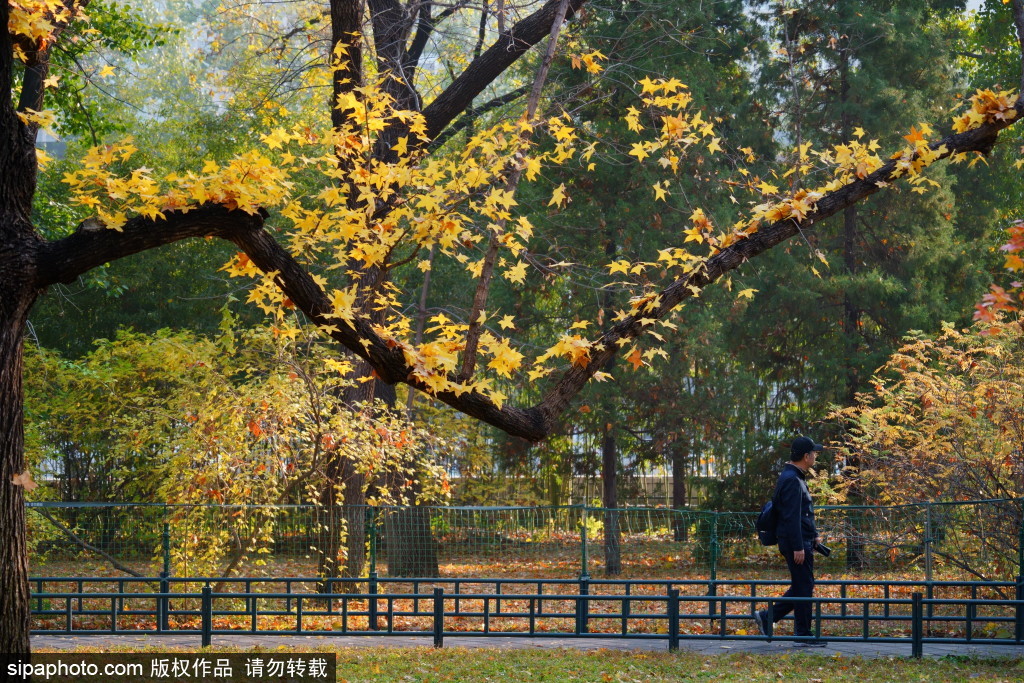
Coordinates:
<point>802,586</point>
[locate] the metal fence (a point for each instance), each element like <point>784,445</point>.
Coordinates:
<point>908,612</point>
<point>930,541</point>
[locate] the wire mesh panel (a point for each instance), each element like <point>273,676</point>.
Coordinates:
<point>928,541</point>
<point>69,538</point>
<point>464,541</point>
<point>977,540</point>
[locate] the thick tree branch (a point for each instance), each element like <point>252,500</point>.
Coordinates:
<point>17,150</point>
<point>346,23</point>
<point>386,357</point>
<point>556,401</point>
<point>390,31</point>
<point>9,139</point>
<point>92,244</point>
<point>481,72</point>
<point>37,66</point>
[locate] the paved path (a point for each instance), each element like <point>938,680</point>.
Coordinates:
<point>99,643</point>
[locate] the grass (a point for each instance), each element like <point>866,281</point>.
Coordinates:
<point>455,665</point>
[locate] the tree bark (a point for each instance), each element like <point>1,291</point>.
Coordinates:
<point>855,547</point>
<point>609,478</point>
<point>18,247</point>
<point>679,526</point>
<point>411,548</point>
<point>15,303</point>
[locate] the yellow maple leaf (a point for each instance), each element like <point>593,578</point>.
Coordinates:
<point>639,150</point>
<point>619,267</point>
<point>516,273</point>
<point>558,197</point>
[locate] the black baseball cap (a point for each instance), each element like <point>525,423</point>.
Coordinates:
<point>802,445</point>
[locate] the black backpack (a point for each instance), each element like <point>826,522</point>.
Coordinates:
<point>767,525</point>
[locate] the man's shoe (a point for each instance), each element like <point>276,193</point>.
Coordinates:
<point>810,642</point>
<point>761,619</point>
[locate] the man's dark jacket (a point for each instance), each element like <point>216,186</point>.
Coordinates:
<point>796,528</point>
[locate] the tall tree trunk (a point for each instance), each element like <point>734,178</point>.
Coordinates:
<point>679,525</point>
<point>609,477</point>
<point>412,550</point>
<point>855,555</point>
<point>18,249</point>
<point>14,588</point>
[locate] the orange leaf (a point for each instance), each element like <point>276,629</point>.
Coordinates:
<point>24,479</point>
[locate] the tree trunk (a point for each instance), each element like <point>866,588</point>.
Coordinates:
<point>609,477</point>
<point>411,548</point>
<point>342,514</point>
<point>14,587</point>
<point>679,525</point>
<point>855,555</point>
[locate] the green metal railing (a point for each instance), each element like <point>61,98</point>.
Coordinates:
<point>911,612</point>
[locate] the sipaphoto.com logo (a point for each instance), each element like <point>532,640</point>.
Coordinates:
<point>169,667</point>
<point>70,668</point>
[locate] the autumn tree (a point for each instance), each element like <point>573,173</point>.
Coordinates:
<point>246,418</point>
<point>383,201</point>
<point>944,421</point>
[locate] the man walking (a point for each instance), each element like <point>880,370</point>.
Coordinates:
<point>797,539</point>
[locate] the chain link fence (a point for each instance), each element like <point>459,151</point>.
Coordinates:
<point>976,540</point>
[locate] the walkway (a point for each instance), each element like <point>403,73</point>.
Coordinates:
<point>99,643</point>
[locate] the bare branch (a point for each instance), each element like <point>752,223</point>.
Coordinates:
<point>386,357</point>
<point>85,544</point>
<point>483,287</point>
<point>472,114</point>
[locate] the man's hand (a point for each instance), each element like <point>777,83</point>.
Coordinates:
<point>798,556</point>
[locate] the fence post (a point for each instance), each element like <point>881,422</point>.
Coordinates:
<point>583,606</point>
<point>917,630</point>
<point>373,601</point>
<point>166,545</point>
<point>712,582</point>
<point>206,615</point>
<point>928,542</point>
<point>371,524</point>
<point>1019,635</point>
<point>714,546</point>
<point>438,617</point>
<point>1020,539</point>
<point>584,574</point>
<point>673,619</point>
<point>163,604</point>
